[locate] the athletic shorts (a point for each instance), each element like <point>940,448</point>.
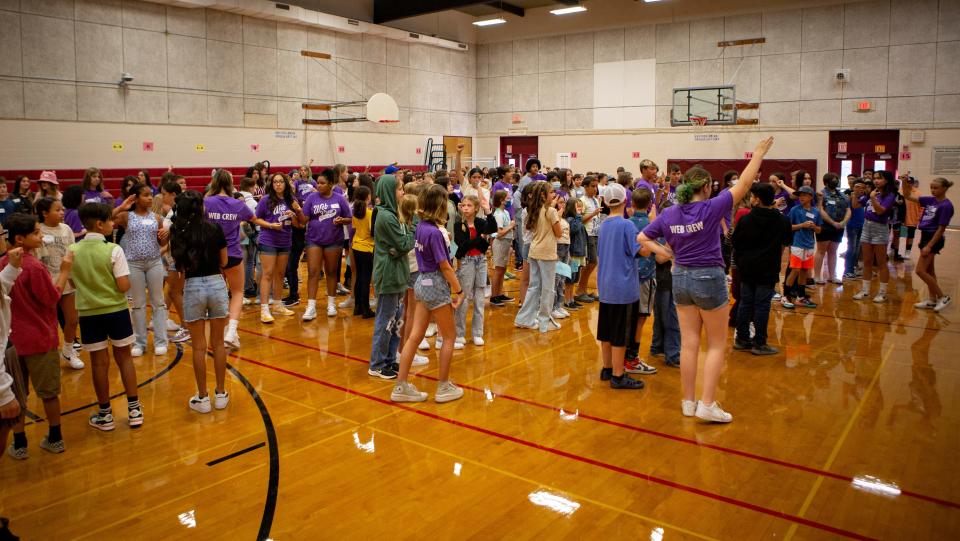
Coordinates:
<point>875,233</point>
<point>703,287</point>
<point>617,323</point>
<point>337,247</point>
<point>501,252</point>
<point>801,258</point>
<point>432,290</point>
<point>592,249</point>
<point>829,233</point>
<point>648,289</point>
<point>97,332</point>
<point>926,237</point>
<point>205,297</point>
<point>43,370</point>
<point>233,262</point>
<point>273,250</point>
<point>412,281</point>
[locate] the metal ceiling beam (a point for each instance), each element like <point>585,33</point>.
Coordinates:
<point>389,10</point>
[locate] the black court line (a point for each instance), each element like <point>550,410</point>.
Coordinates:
<point>273,482</point>
<point>235,454</point>
<point>155,377</point>
<point>848,318</point>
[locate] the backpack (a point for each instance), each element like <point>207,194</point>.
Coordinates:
<point>835,205</point>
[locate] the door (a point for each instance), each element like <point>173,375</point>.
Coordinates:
<point>853,151</point>
<point>450,145</point>
<point>517,150</point>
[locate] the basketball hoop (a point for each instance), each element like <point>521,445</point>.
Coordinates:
<point>699,121</point>
<point>381,108</point>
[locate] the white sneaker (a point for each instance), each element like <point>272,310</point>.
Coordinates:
<point>73,360</point>
<point>447,391</point>
<point>310,313</point>
<point>247,301</point>
<point>438,343</point>
<point>160,350</point>
<point>557,314</point>
<point>564,311</point>
<point>136,351</point>
<point>922,305</point>
<point>776,296</point>
<point>712,413</point>
<point>420,360</point>
<point>282,310</point>
<point>907,254</point>
<point>688,407</point>
<point>172,326</point>
<point>431,330</point>
<point>200,405</point>
<point>478,341</point>
<point>861,295</point>
<point>942,303</point>
<point>331,310</point>
<point>373,302</point>
<point>881,297</point>
<point>220,401</point>
<point>231,340</point>
<point>407,392</point>
<point>459,342</point>
<point>348,303</point>
<point>424,344</point>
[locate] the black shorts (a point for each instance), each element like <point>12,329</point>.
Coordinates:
<point>233,262</point>
<point>829,233</point>
<point>617,323</point>
<point>97,332</point>
<point>592,249</point>
<point>926,237</point>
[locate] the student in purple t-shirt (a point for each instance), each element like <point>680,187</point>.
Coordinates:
<point>326,212</point>
<point>937,213</point>
<point>648,176</point>
<point>880,206</point>
<point>438,294</point>
<point>221,208</point>
<point>275,213</point>
<point>93,191</point>
<point>783,200</point>
<point>692,230</point>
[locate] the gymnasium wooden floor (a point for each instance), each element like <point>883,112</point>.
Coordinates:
<point>851,432</point>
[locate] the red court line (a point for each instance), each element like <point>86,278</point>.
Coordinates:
<point>566,454</point>
<point>635,428</point>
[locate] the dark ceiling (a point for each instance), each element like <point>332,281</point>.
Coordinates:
<point>382,11</point>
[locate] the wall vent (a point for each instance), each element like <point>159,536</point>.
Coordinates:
<point>414,36</point>
<point>284,7</point>
<point>353,22</point>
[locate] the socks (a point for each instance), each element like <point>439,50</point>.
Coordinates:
<point>232,326</point>
<point>312,303</point>
<point>866,286</point>
<point>883,288</point>
<point>331,300</point>
<point>133,402</point>
<point>19,440</point>
<point>105,408</point>
<point>264,307</point>
<point>54,434</point>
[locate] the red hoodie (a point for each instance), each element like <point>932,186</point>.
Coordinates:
<point>33,308</point>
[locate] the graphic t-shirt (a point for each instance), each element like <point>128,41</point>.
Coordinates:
<point>618,270</point>
<point>56,242</point>
<point>888,202</point>
<point>935,213</point>
<point>228,213</point>
<point>93,196</point>
<point>271,237</point>
<point>783,202</point>
<point>803,238</point>
<point>321,211</point>
<point>431,247</point>
<point>693,230</point>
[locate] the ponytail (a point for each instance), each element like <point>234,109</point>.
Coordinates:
<point>693,181</point>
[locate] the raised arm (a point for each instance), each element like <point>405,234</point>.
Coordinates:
<point>907,191</point>
<point>745,182</point>
<point>456,174</point>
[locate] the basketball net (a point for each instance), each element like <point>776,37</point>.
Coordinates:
<point>698,121</point>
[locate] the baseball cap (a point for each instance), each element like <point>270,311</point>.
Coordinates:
<point>391,169</point>
<point>614,194</point>
<point>807,190</point>
<point>49,176</point>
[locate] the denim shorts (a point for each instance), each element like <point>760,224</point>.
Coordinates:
<point>875,233</point>
<point>703,287</point>
<point>412,281</point>
<point>204,297</point>
<point>432,290</point>
<point>272,250</point>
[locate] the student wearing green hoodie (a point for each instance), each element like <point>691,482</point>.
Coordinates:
<point>391,271</point>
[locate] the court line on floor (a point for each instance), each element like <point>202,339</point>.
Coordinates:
<point>848,318</point>
<point>808,501</point>
<point>572,456</point>
<point>235,454</point>
<point>536,483</point>
<point>635,428</point>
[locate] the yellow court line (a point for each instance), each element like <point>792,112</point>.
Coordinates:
<point>839,445</point>
<point>539,484</point>
<point>220,482</point>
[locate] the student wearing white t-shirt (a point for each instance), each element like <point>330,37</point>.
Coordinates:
<point>591,221</point>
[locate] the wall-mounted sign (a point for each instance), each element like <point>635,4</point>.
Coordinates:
<point>254,147</point>
<point>880,148</point>
<point>842,146</point>
<point>905,156</point>
<point>419,150</point>
<point>573,154</point>
<point>946,161</point>
<point>148,146</point>
<point>117,147</point>
<point>341,149</point>
<point>747,155</point>
<point>200,148</point>
<point>636,155</point>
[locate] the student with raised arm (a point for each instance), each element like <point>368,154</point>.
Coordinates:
<point>937,213</point>
<point>691,229</point>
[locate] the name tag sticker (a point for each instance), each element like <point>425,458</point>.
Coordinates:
<point>810,215</point>
<point>831,202</point>
<point>427,282</point>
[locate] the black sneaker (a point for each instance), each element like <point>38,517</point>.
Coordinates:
<point>395,367</point>
<point>102,420</point>
<point>496,301</point>
<point>77,346</point>
<point>291,301</point>
<point>740,345</point>
<point>764,349</point>
<point>383,373</point>
<point>585,298</point>
<point>606,374</point>
<point>625,382</point>
<point>572,305</point>
<point>505,298</point>
<point>672,364</point>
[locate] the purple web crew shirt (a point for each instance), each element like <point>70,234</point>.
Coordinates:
<point>886,201</point>
<point>228,213</point>
<point>693,230</point>
<point>935,213</point>
<point>93,196</point>
<point>271,237</point>
<point>321,212</point>
<point>430,246</point>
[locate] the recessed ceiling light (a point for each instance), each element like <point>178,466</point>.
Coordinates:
<point>566,11</point>
<point>651,1</point>
<point>489,22</point>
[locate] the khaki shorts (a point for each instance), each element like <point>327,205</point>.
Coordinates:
<point>43,370</point>
<point>501,252</point>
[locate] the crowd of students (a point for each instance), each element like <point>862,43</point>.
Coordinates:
<point>431,245</point>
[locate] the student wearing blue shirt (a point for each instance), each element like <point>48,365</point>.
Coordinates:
<point>854,229</point>
<point>641,198</point>
<point>805,221</point>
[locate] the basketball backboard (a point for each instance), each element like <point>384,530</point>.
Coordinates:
<point>715,103</point>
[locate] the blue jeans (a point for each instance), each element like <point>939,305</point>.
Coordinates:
<point>853,249</point>
<point>386,330</point>
<point>147,275</point>
<point>473,280</point>
<point>539,300</point>
<point>754,308</point>
<point>666,326</point>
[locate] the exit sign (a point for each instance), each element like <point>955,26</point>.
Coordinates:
<point>864,106</point>
<point>636,155</point>
<point>573,154</point>
<point>341,149</point>
<point>747,155</point>
<point>880,149</point>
